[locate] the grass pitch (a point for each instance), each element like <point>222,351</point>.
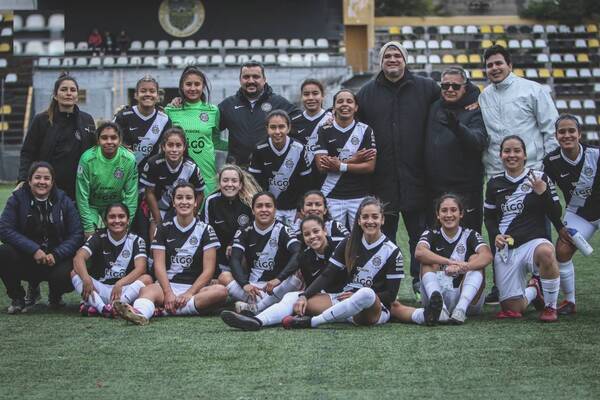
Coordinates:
<point>61,355</point>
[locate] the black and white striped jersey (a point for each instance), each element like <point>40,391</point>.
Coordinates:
<point>305,129</point>
<point>335,230</point>
<point>512,207</point>
<point>184,248</point>
<point>343,143</point>
<point>312,264</point>
<point>110,259</point>
<point>577,179</point>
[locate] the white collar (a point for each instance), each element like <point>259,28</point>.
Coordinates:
<point>184,228</point>
<point>576,161</point>
<point>264,231</point>
<point>316,116</point>
<point>172,170</point>
<point>142,116</point>
<point>374,244</point>
<point>518,178</point>
<point>346,129</point>
<point>452,239</point>
<point>285,146</point>
<point>116,242</point>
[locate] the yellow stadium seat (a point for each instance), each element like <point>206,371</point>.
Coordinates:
<point>3,126</point>
<point>558,73</point>
<point>583,58</point>
<point>462,59</point>
<point>4,47</point>
<point>477,74</point>
<point>519,72</point>
<point>485,29</point>
<point>592,28</point>
<point>544,73</point>
<point>394,30</point>
<point>486,44</point>
<point>498,29</point>
<point>475,59</point>
<point>502,43</point>
<point>448,59</point>
<point>593,43</point>
<point>8,16</point>
<point>6,109</point>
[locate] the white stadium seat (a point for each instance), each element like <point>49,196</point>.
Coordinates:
<point>43,62</point>
<point>564,29</point>
<point>17,22</point>
<point>189,44</point>
<point>203,44</point>
<point>56,48</point>
<point>420,45</point>
<point>3,63</point>
<point>282,43</point>
<point>35,22</point>
<point>229,44</point>
<point>538,28</point>
<point>162,61</point>
<point>69,46</point>
<point>580,43</point>
<point>592,136</point>
<point>309,43</point>
<point>295,44</point>
<point>176,45</point>
<point>444,30</point>
<point>421,59</point>
<point>571,73</point>
<point>242,58</point>
<point>56,22</point>
<point>256,44</point>
<point>526,44</point>
<point>216,59</point>
<point>269,44</point>
<point>95,62</point>
<point>122,61</point>
<point>67,62</point>
<point>555,58</point>
<point>569,58</point>
<point>149,60</point>
<point>433,44</point>
<point>296,60</point>
<point>407,30</point>
<point>434,59</point>
<point>322,43</point>
<point>216,44</point>
<point>310,59</point>
<point>189,60</point>
<point>11,78</point>
<point>242,44</point>
<point>81,62</point>
<point>257,58</point>
<point>149,45</point>
<point>585,73</point>
<point>135,45</point>
<point>270,59</point>
<point>513,44</point>
<point>6,32</point>
<point>283,59</point>
<point>230,59</point>
<point>408,44</point>
<point>55,62</point>
<point>590,120</point>
<point>579,29</point>
<point>201,60</point>
<point>108,61</point>
<point>162,45</point>
<point>540,44</point>
<point>596,72</point>
<point>135,60</point>
<point>472,30</point>
<point>34,48</point>
<point>17,47</point>
<point>589,104</point>
<point>542,58</point>
<point>446,44</point>
<point>177,61</point>
<point>531,73</point>
<point>411,59</point>
<point>82,46</point>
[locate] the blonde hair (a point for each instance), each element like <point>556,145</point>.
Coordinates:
<point>249,185</point>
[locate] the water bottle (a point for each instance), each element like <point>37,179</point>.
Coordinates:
<point>580,242</point>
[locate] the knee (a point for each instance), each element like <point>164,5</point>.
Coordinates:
<point>545,256</point>
<point>220,292</point>
<point>146,279</point>
<point>564,252</point>
<point>225,278</point>
<point>365,297</point>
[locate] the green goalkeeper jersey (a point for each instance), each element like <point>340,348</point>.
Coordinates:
<point>102,181</point>
<point>200,122</point>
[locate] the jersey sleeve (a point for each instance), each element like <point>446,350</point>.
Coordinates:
<point>338,231</point>
<point>368,140</point>
<point>210,239</point>
<point>93,244</point>
<point>255,167</point>
<point>395,266</point>
<point>148,175</point>
<point>159,238</point>
<point>490,211</point>
<point>197,180</point>
<point>240,239</point>
<point>475,241</point>
<point>121,120</point>
<point>139,248</point>
<point>321,145</point>
<point>552,203</point>
<point>287,237</point>
<point>304,164</point>
<point>426,238</point>
<point>338,258</point>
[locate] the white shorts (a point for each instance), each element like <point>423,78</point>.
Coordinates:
<point>583,226</point>
<point>344,210</point>
<point>286,216</point>
<point>451,297</point>
<point>189,308</point>
<point>383,317</point>
<point>128,294</point>
<point>511,276</point>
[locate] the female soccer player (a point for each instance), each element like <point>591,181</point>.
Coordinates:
<point>313,260</point>
<point>346,153</point>
<point>59,135</point>
<point>452,261</point>
<point>117,266</point>
<point>185,256</point>
<point>164,171</point>
<point>264,258</point>
<point>279,165</point>
<point>200,122</point>
<point>373,267</point>
<point>314,203</point>
<point>228,209</point>
<point>40,231</point>
<point>574,168</point>
<point>106,174</point>
<point>516,205</point>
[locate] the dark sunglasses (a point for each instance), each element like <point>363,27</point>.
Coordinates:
<point>455,86</point>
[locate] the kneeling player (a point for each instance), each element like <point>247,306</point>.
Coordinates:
<point>264,258</point>
<point>315,203</point>
<point>185,254</point>
<point>118,265</point>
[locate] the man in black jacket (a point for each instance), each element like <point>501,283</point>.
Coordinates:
<point>244,113</point>
<point>454,145</point>
<point>396,105</point>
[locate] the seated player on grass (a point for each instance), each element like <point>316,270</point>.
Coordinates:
<point>315,203</point>
<point>185,258</point>
<point>117,267</point>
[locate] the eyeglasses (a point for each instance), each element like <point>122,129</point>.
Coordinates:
<point>454,86</point>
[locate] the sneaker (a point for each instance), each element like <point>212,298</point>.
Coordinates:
<point>247,309</point>
<point>32,295</point>
<point>567,308</point>
<point>92,311</point>
<point>239,321</point>
<point>493,296</point>
<point>417,290</point>
<point>509,314</point>
<point>549,315</point>
<point>108,311</point>
<point>16,306</point>
<point>128,313</point>
<point>433,308</point>
<point>83,309</point>
<point>290,322</point>
<point>55,302</point>
<point>538,302</point>
<point>458,316</point>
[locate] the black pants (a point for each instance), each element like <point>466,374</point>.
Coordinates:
<point>473,208</point>
<point>17,266</point>
<point>415,223</point>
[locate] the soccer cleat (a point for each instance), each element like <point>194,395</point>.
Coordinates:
<point>245,308</point>
<point>509,314</point>
<point>549,315</point>
<point>240,321</point>
<point>92,311</point>
<point>16,306</point>
<point>290,322</point>
<point>108,311</point>
<point>417,290</point>
<point>128,313</point>
<point>433,309</point>
<point>159,312</point>
<point>493,296</point>
<point>55,301</point>
<point>538,302</point>
<point>458,316</point>
<point>567,308</point>
<point>32,295</point>
<point>83,309</point>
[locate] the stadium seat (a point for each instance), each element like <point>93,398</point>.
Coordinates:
<point>177,61</point>
<point>3,63</point>
<point>135,60</point>
<point>583,58</point>
<point>310,59</point>
<point>432,30</point>
<point>295,44</point>
<point>596,72</point>
<point>189,44</point>
<point>444,30</point>
<point>201,60</point>
<point>526,44</point>
<point>228,44</point>
<point>5,109</point>
<point>216,44</point>
<point>136,45</point>
<point>433,44</point>
<point>5,48</point>
<point>411,59</point>
<point>162,45</point>
<point>593,43</point>
<point>562,105</point>
<point>551,28</point>
<point>513,44</point>
<point>485,29</point>
<point>542,58</point>
<point>571,73</point>
<point>564,29</point>
<point>393,30</point>
<point>323,58</point>
<point>56,22</point>
<point>149,61</point>
<point>448,59</point>
<point>569,58</point>
<point>56,48</point>
<point>501,42</point>
<point>257,58</point>
<point>519,72</point>
<point>585,73</point>
<point>68,62</point>
<point>6,32</point>
<point>580,43</point>
<point>462,59</point>
<point>434,59</point>
<point>421,59</point>
<point>597,87</point>
<point>407,30</point>
<point>544,73</point>
<point>592,28</point>
<point>408,44</point>
<point>296,60</point>
<point>108,61</point>
<point>477,74</point>
<point>590,120</point>
<point>122,61</point>
<point>446,45</point>
<point>498,29</point>
<point>69,46</point>
<point>420,45</point>
<point>149,45</point>
<point>95,62</point>
<point>589,104</point>
<point>592,136</point>
<point>216,59</point>
<point>486,43</point>
<point>531,73</point>
<point>176,45</point>
<point>242,44</point>
<point>43,62</point>
<point>230,59</point>
<point>575,105</point>
<point>283,59</point>
<point>474,58</point>
<point>34,48</point>
<point>514,30</point>
<point>558,73</point>
<point>538,28</point>
<point>579,29</point>
<point>242,58</point>
<point>471,30</point>
<point>282,43</point>
<point>309,43</point>
<point>17,22</point>
<point>256,44</point>
<point>162,61</point>
<point>322,43</point>
<point>540,44</point>
<point>555,58</point>
<point>35,22</point>
<point>203,44</point>
<point>270,59</point>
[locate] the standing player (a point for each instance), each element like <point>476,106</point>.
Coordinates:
<point>516,205</point>
<point>228,209</point>
<point>264,258</point>
<point>117,266</point>
<point>185,256</point>
<point>452,261</point>
<point>166,170</point>
<point>314,203</point>
<point>106,174</point>
<point>346,152</point>
<point>574,168</point>
<point>280,166</point>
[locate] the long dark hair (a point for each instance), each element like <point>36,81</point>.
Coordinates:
<point>53,106</point>
<point>352,246</point>
<point>452,196</point>
<point>195,70</point>
<point>40,164</point>
<point>117,204</point>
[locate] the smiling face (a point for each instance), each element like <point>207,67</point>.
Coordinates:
<point>449,214</point>
<point>66,94</point>
<point>513,155</point>
<point>453,87</point>
<point>41,182</point>
<point>252,81</point>
<point>314,205</point>
<point>567,135</point>
<point>184,201</point>
<point>147,94</point>
<point>314,236</point>
<point>230,183</point>
<point>192,87</point>
<point>312,98</point>
<point>109,142</point>
<point>370,220</point>
<point>393,63</point>
<point>496,68</point>
<point>264,210</point>
<point>117,221</point>
<point>278,129</point>
<point>345,106</point>
<point>174,149</point>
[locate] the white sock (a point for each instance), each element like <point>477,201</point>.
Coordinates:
<point>567,280</point>
<point>530,294</point>
<point>418,316</point>
<point>470,286</point>
<point>131,292</point>
<point>277,312</point>
<point>431,284</point>
<point>362,299</point>
<point>94,300</point>
<point>236,291</point>
<point>144,306</point>
<point>550,288</point>
<point>188,309</point>
<point>292,283</point>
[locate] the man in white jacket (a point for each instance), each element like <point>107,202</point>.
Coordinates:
<point>514,106</point>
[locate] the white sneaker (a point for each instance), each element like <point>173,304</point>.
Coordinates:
<point>245,308</point>
<point>458,316</point>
